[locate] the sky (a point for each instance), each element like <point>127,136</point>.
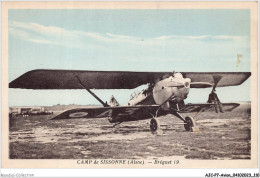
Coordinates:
<point>126,40</point>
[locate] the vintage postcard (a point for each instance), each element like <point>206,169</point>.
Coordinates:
<point>129,85</point>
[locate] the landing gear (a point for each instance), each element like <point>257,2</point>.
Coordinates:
<point>190,124</point>
<point>155,126</point>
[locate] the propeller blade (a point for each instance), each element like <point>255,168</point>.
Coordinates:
<point>175,85</point>
<point>200,85</point>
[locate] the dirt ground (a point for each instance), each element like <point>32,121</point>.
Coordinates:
<point>221,136</point>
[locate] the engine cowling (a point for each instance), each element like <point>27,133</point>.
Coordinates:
<point>174,87</point>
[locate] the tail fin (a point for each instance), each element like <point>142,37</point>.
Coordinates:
<point>113,102</point>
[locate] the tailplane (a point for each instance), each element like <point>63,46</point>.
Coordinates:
<point>113,102</point>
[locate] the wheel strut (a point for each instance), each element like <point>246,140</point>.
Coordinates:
<point>189,122</point>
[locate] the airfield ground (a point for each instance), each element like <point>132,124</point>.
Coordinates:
<point>221,136</point>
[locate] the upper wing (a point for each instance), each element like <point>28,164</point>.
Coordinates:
<point>202,107</point>
<point>99,112</point>
<point>69,79</point>
<point>220,79</point>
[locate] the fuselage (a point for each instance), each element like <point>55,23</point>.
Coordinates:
<point>172,89</point>
<point>166,92</point>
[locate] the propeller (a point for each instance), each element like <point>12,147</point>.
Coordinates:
<point>200,85</point>
<point>216,79</point>
<point>174,85</point>
<point>185,84</point>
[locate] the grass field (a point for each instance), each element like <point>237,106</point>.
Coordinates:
<point>221,136</point>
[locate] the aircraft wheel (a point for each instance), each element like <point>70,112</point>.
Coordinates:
<point>154,125</point>
<point>189,124</point>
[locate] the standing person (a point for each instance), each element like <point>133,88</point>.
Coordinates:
<point>213,98</point>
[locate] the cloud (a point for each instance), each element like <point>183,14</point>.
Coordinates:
<point>18,32</point>
<point>202,37</point>
<point>119,36</point>
<point>61,36</point>
<point>116,47</point>
<point>39,41</point>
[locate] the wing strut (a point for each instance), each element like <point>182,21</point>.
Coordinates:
<point>93,94</point>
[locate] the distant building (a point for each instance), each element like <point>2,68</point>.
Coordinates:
<point>31,110</point>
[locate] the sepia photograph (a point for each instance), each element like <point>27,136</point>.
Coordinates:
<point>129,85</point>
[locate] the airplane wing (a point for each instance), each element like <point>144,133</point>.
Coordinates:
<point>219,79</point>
<point>209,107</point>
<point>69,79</point>
<point>131,112</point>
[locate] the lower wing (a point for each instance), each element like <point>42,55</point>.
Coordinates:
<point>100,112</point>
<point>202,107</point>
<point>136,112</point>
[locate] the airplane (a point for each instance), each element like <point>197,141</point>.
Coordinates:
<point>164,95</point>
